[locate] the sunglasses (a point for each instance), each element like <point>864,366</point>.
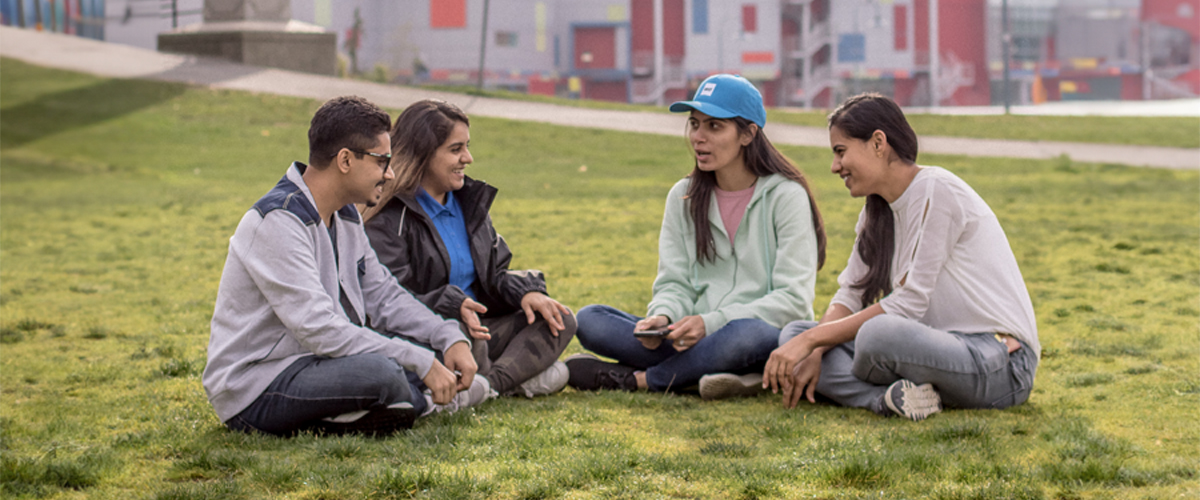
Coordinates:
<point>385,159</point>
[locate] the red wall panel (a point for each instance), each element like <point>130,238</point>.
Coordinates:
<point>641,22</point>
<point>750,18</point>
<point>959,37</point>
<point>605,91</point>
<point>1166,12</point>
<point>673,37</point>
<point>447,13</point>
<point>921,31</point>
<point>904,90</point>
<point>900,25</point>
<point>538,86</point>
<point>599,44</point>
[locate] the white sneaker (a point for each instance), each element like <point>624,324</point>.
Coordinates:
<point>550,381</point>
<point>480,391</point>
<point>912,401</point>
<point>728,385</point>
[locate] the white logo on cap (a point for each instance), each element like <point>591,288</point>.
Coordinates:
<point>708,88</point>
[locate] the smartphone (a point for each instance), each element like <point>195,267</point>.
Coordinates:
<point>659,333</point>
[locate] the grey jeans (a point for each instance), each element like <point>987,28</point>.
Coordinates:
<point>969,370</point>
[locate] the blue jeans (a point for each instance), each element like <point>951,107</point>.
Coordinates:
<point>742,345</point>
<point>969,370</point>
<point>315,387</point>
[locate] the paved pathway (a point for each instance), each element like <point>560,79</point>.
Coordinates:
<point>113,60</point>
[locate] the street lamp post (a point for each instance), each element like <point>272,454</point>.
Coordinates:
<point>482,46</point>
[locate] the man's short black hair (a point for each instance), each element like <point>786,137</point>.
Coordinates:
<point>344,122</point>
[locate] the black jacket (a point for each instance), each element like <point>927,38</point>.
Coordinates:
<point>407,242</point>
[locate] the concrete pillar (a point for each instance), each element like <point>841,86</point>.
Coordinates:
<point>256,32</point>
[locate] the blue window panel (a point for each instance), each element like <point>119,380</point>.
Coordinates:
<point>852,48</point>
<point>700,17</point>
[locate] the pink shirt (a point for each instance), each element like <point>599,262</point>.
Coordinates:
<point>733,205</point>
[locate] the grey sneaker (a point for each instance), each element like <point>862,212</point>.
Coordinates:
<point>480,391</point>
<point>550,381</point>
<point>728,385</point>
<point>912,401</point>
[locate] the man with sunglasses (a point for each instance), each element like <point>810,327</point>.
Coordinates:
<point>310,331</point>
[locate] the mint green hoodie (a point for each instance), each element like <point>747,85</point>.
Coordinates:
<point>769,273</point>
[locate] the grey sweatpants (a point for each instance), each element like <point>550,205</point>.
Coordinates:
<point>969,370</point>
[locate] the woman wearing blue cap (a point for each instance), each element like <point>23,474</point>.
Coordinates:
<point>741,242</point>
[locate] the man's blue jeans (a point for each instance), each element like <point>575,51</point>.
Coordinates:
<point>315,387</point>
<point>969,370</point>
<point>741,346</point>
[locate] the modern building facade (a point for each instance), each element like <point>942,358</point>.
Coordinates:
<point>799,52</point>
<point>808,53</point>
<point>85,18</point>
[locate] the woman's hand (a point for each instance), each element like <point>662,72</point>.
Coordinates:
<point>549,308</point>
<point>783,361</point>
<point>657,322</point>
<point>686,332</point>
<point>803,380</point>
<point>469,312</point>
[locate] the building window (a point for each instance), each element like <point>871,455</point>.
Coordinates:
<point>506,39</point>
<point>852,48</point>
<point>447,13</point>
<point>700,17</point>
<point>900,25</point>
<point>749,18</point>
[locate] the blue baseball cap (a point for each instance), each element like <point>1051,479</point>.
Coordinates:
<point>726,96</point>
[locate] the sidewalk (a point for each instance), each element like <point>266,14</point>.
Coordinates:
<point>119,61</point>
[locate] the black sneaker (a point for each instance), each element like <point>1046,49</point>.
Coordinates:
<point>588,373</point>
<point>381,422</point>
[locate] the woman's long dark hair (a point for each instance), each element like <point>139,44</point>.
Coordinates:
<point>419,131</point>
<point>762,159</point>
<point>859,117</point>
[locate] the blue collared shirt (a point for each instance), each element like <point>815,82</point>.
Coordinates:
<point>452,227</point>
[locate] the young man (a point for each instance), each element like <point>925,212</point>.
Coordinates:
<point>310,331</point>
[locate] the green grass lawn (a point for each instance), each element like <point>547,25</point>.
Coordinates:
<point>117,199</point>
<point>1169,131</point>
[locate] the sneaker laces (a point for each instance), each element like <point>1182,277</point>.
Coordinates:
<point>918,401</point>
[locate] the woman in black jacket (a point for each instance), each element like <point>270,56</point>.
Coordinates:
<point>434,232</point>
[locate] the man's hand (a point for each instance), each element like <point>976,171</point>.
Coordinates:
<point>686,332</point>
<point>459,359</point>
<point>440,382</point>
<point>469,312</point>
<point>549,308</point>
<point>652,323</point>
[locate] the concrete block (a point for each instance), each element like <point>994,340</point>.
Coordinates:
<point>276,45</point>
